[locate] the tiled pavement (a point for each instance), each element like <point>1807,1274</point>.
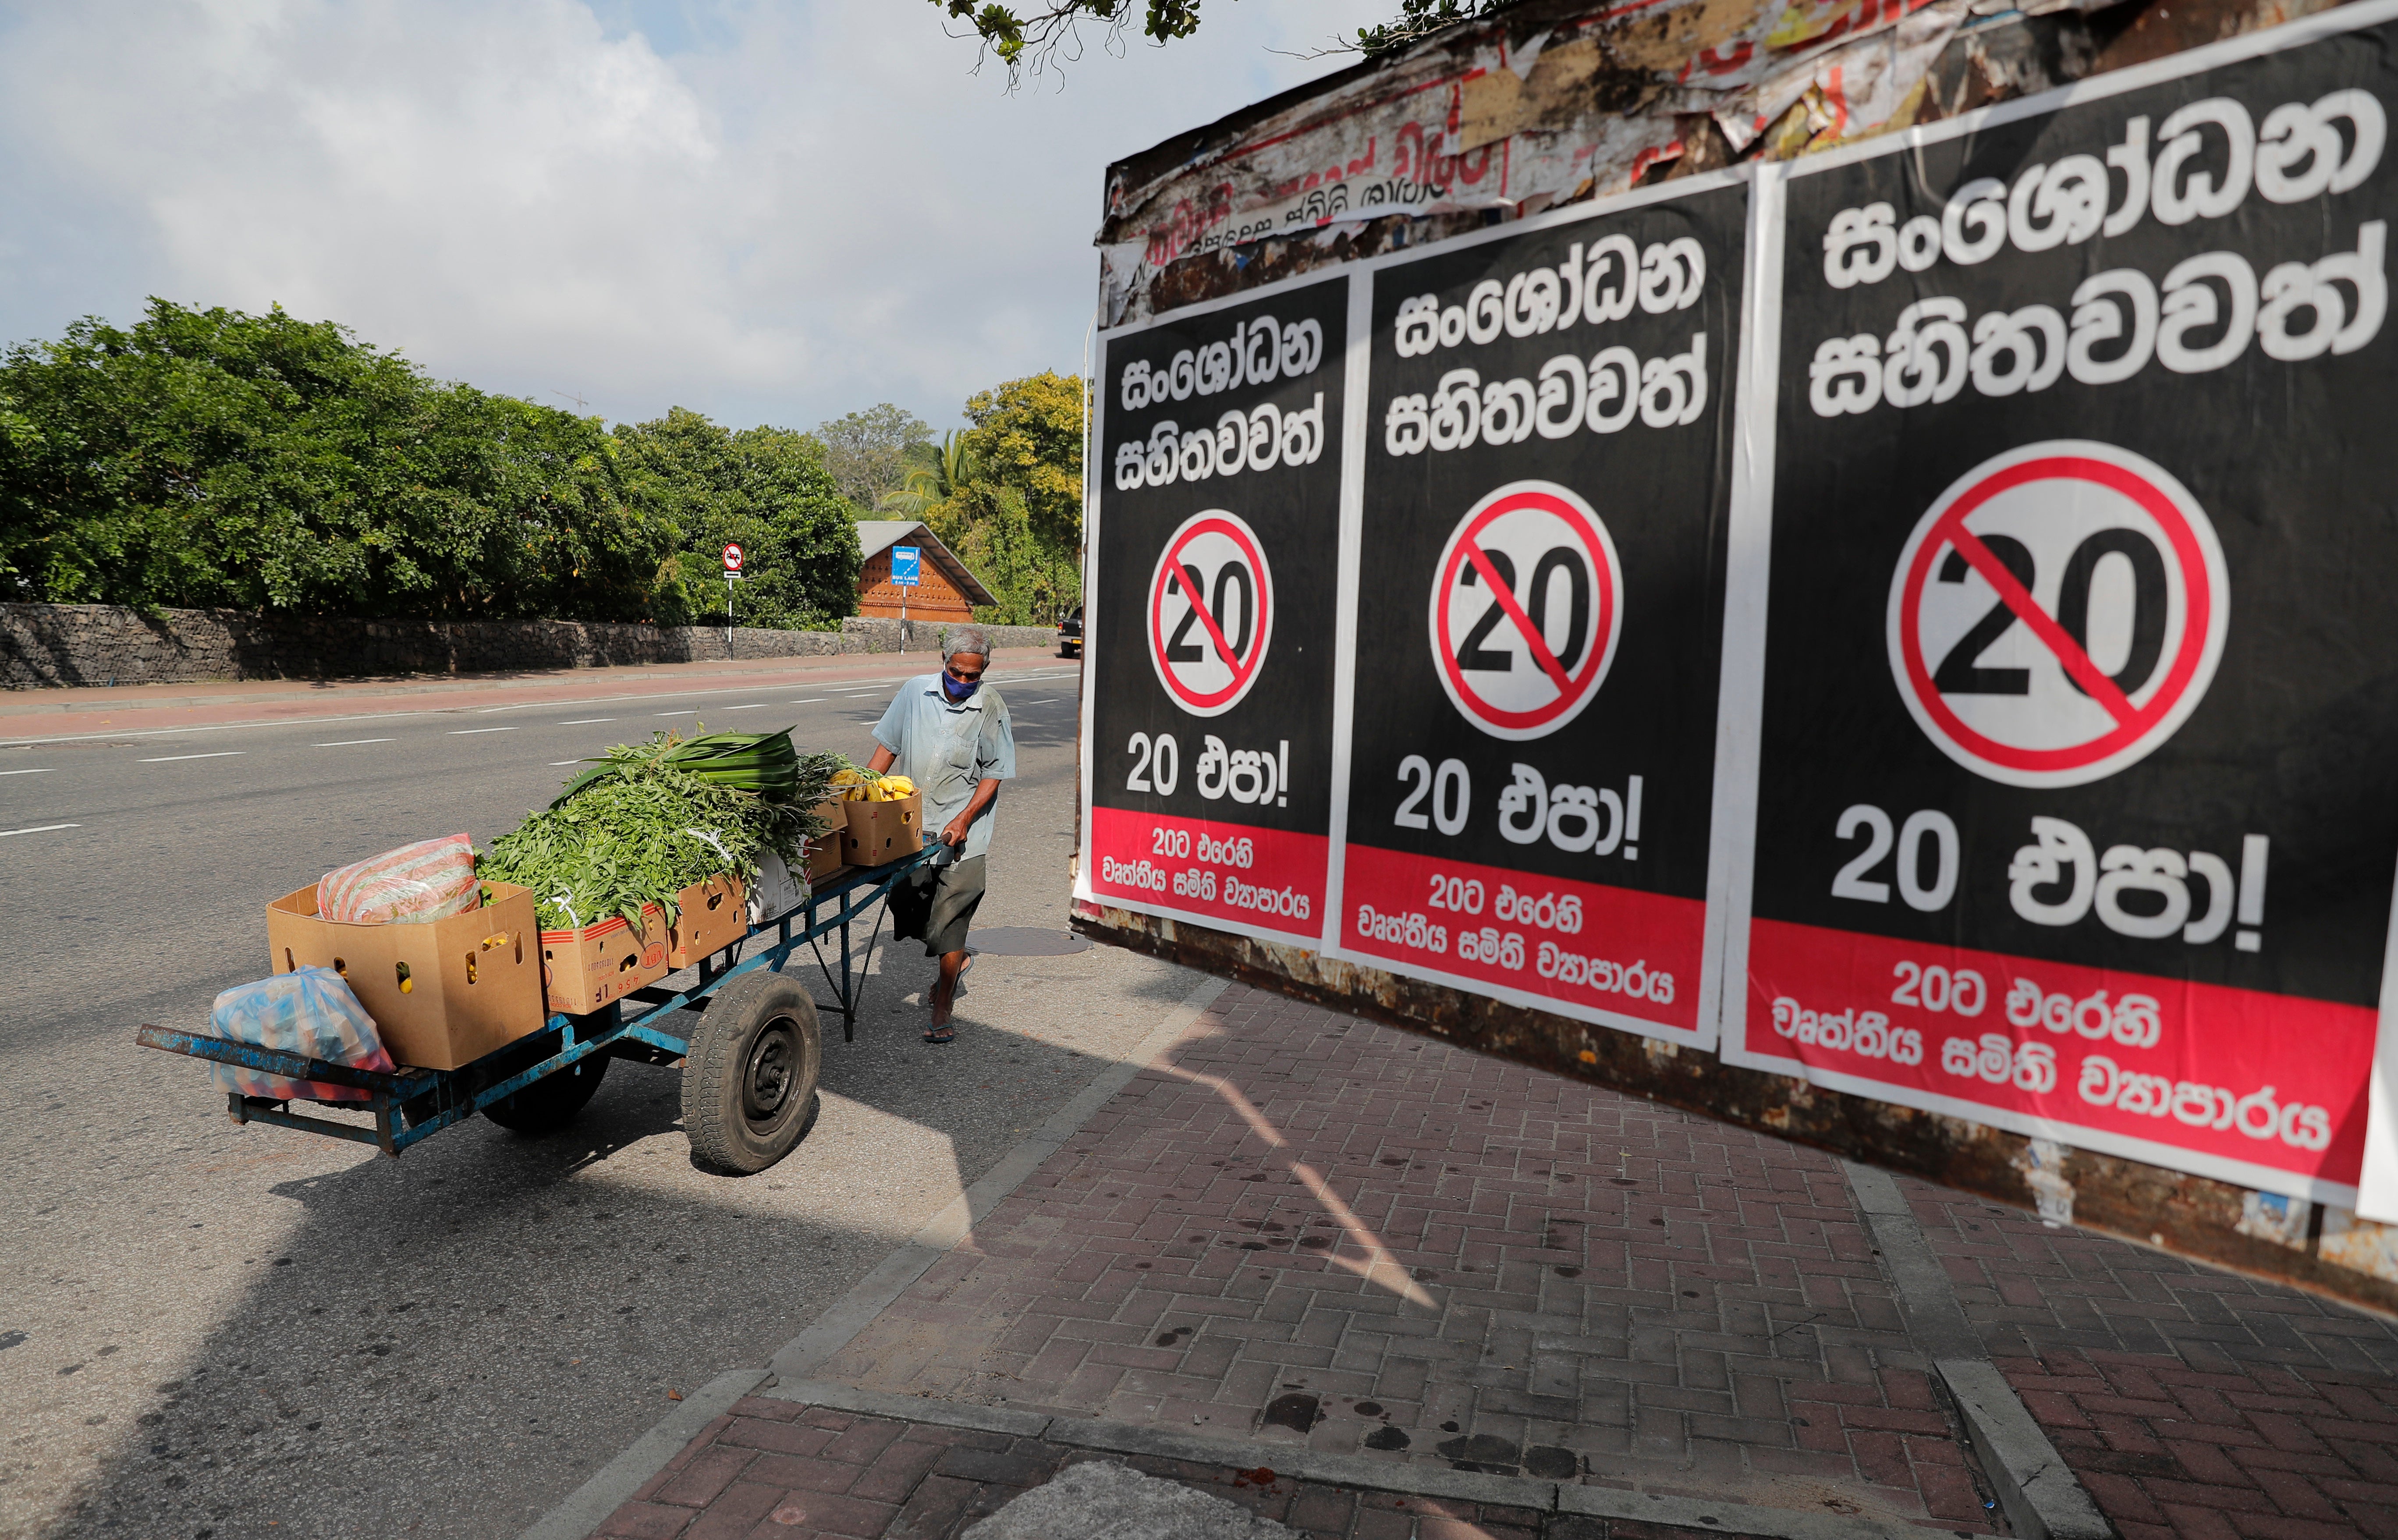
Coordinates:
<point>1307,1228</point>
<point>1315,1228</point>
<point>776,1470</point>
<point>2189,1401</point>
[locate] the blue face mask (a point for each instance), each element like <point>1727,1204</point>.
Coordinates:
<point>958,693</point>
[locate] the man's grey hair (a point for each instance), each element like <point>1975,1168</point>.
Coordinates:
<point>965,639</point>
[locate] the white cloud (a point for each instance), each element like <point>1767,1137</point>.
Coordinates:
<point>767,211</point>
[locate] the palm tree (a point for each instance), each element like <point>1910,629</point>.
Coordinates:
<point>933,481</point>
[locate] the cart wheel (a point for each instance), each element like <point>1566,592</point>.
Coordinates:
<point>749,1084</point>
<point>551,1101</point>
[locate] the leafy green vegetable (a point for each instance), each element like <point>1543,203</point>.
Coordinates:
<point>632,841</point>
<point>649,819</point>
<point>763,764</point>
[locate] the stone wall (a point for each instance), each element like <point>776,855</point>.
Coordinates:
<point>926,635</point>
<point>59,645</point>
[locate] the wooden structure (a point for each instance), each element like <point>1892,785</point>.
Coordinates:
<point>948,591</point>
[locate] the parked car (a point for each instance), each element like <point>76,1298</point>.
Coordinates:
<point>1069,633</point>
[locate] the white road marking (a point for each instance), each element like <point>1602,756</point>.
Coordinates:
<point>555,764</point>
<point>351,743</point>
<point>37,829</point>
<point>44,771</point>
<point>461,732</point>
<point>582,722</point>
<point>692,712</point>
<point>219,754</point>
<point>753,706</point>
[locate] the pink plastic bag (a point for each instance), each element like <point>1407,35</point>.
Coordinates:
<point>414,884</point>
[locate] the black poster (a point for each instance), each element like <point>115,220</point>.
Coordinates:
<point>1216,537</point>
<point>2073,803</point>
<point>1539,614</point>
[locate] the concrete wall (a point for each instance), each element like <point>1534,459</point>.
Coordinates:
<point>59,645</point>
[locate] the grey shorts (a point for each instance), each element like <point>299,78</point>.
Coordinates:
<point>935,904</point>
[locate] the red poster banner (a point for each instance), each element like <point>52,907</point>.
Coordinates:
<point>1588,948</point>
<point>1268,878</point>
<point>2158,1069</point>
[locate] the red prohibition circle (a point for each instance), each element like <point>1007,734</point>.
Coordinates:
<point>2198,614</point>
<point>1602,624</point>
<point>1244,669</point>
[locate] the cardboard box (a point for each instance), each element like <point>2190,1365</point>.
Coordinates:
<point>824,854</point>
<point>585,969</point>
<point>709,916</point>
<point>442,994</point>
<point>880,831</point>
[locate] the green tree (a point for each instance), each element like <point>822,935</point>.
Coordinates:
<point>1035,34</point>
<point>1028,434</point>
<point>765,488</point>
<point>936,474</point>
<point>209,457</point>
<point>1008,496</point>
<point>1033,579</point>
<point>867,451</point>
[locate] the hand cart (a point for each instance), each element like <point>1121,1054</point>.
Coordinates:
<point>749,1065</point>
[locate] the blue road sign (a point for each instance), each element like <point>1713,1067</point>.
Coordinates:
<point>907,561</point>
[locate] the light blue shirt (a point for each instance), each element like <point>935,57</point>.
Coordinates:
<point>948,749</point>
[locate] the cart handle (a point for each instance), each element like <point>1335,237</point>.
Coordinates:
<point>277,1061</point>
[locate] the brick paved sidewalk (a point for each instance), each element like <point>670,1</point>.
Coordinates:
<point>777,1470</point>
<point>2189,1401</point>
<point>1305,1229</point>
<point>1315,1229</point>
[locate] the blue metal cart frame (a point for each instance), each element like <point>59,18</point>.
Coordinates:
<point>410,1105</point>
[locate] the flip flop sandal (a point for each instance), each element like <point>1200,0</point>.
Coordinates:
<point>960,992</point>
<point>940,1037</point>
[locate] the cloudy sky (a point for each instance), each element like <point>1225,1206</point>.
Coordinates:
<point>770,212</point>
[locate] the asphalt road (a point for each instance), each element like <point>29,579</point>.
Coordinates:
<point>208,1330</point>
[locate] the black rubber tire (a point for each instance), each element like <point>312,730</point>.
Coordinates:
<point>750,1083</point>
<point>552,1101</point>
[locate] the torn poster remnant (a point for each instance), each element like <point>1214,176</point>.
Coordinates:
<point>1544,104</point>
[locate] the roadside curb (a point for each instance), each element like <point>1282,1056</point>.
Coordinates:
<point>1353,1471</point>
<point>588,1506</point>
<point>2036,1487</point>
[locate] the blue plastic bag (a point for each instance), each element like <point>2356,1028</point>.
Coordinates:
<point>310,1012</point>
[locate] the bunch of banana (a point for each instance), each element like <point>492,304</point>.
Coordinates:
<point>855,785</point>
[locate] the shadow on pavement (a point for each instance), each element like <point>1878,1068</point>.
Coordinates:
<point>381,1359</point>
